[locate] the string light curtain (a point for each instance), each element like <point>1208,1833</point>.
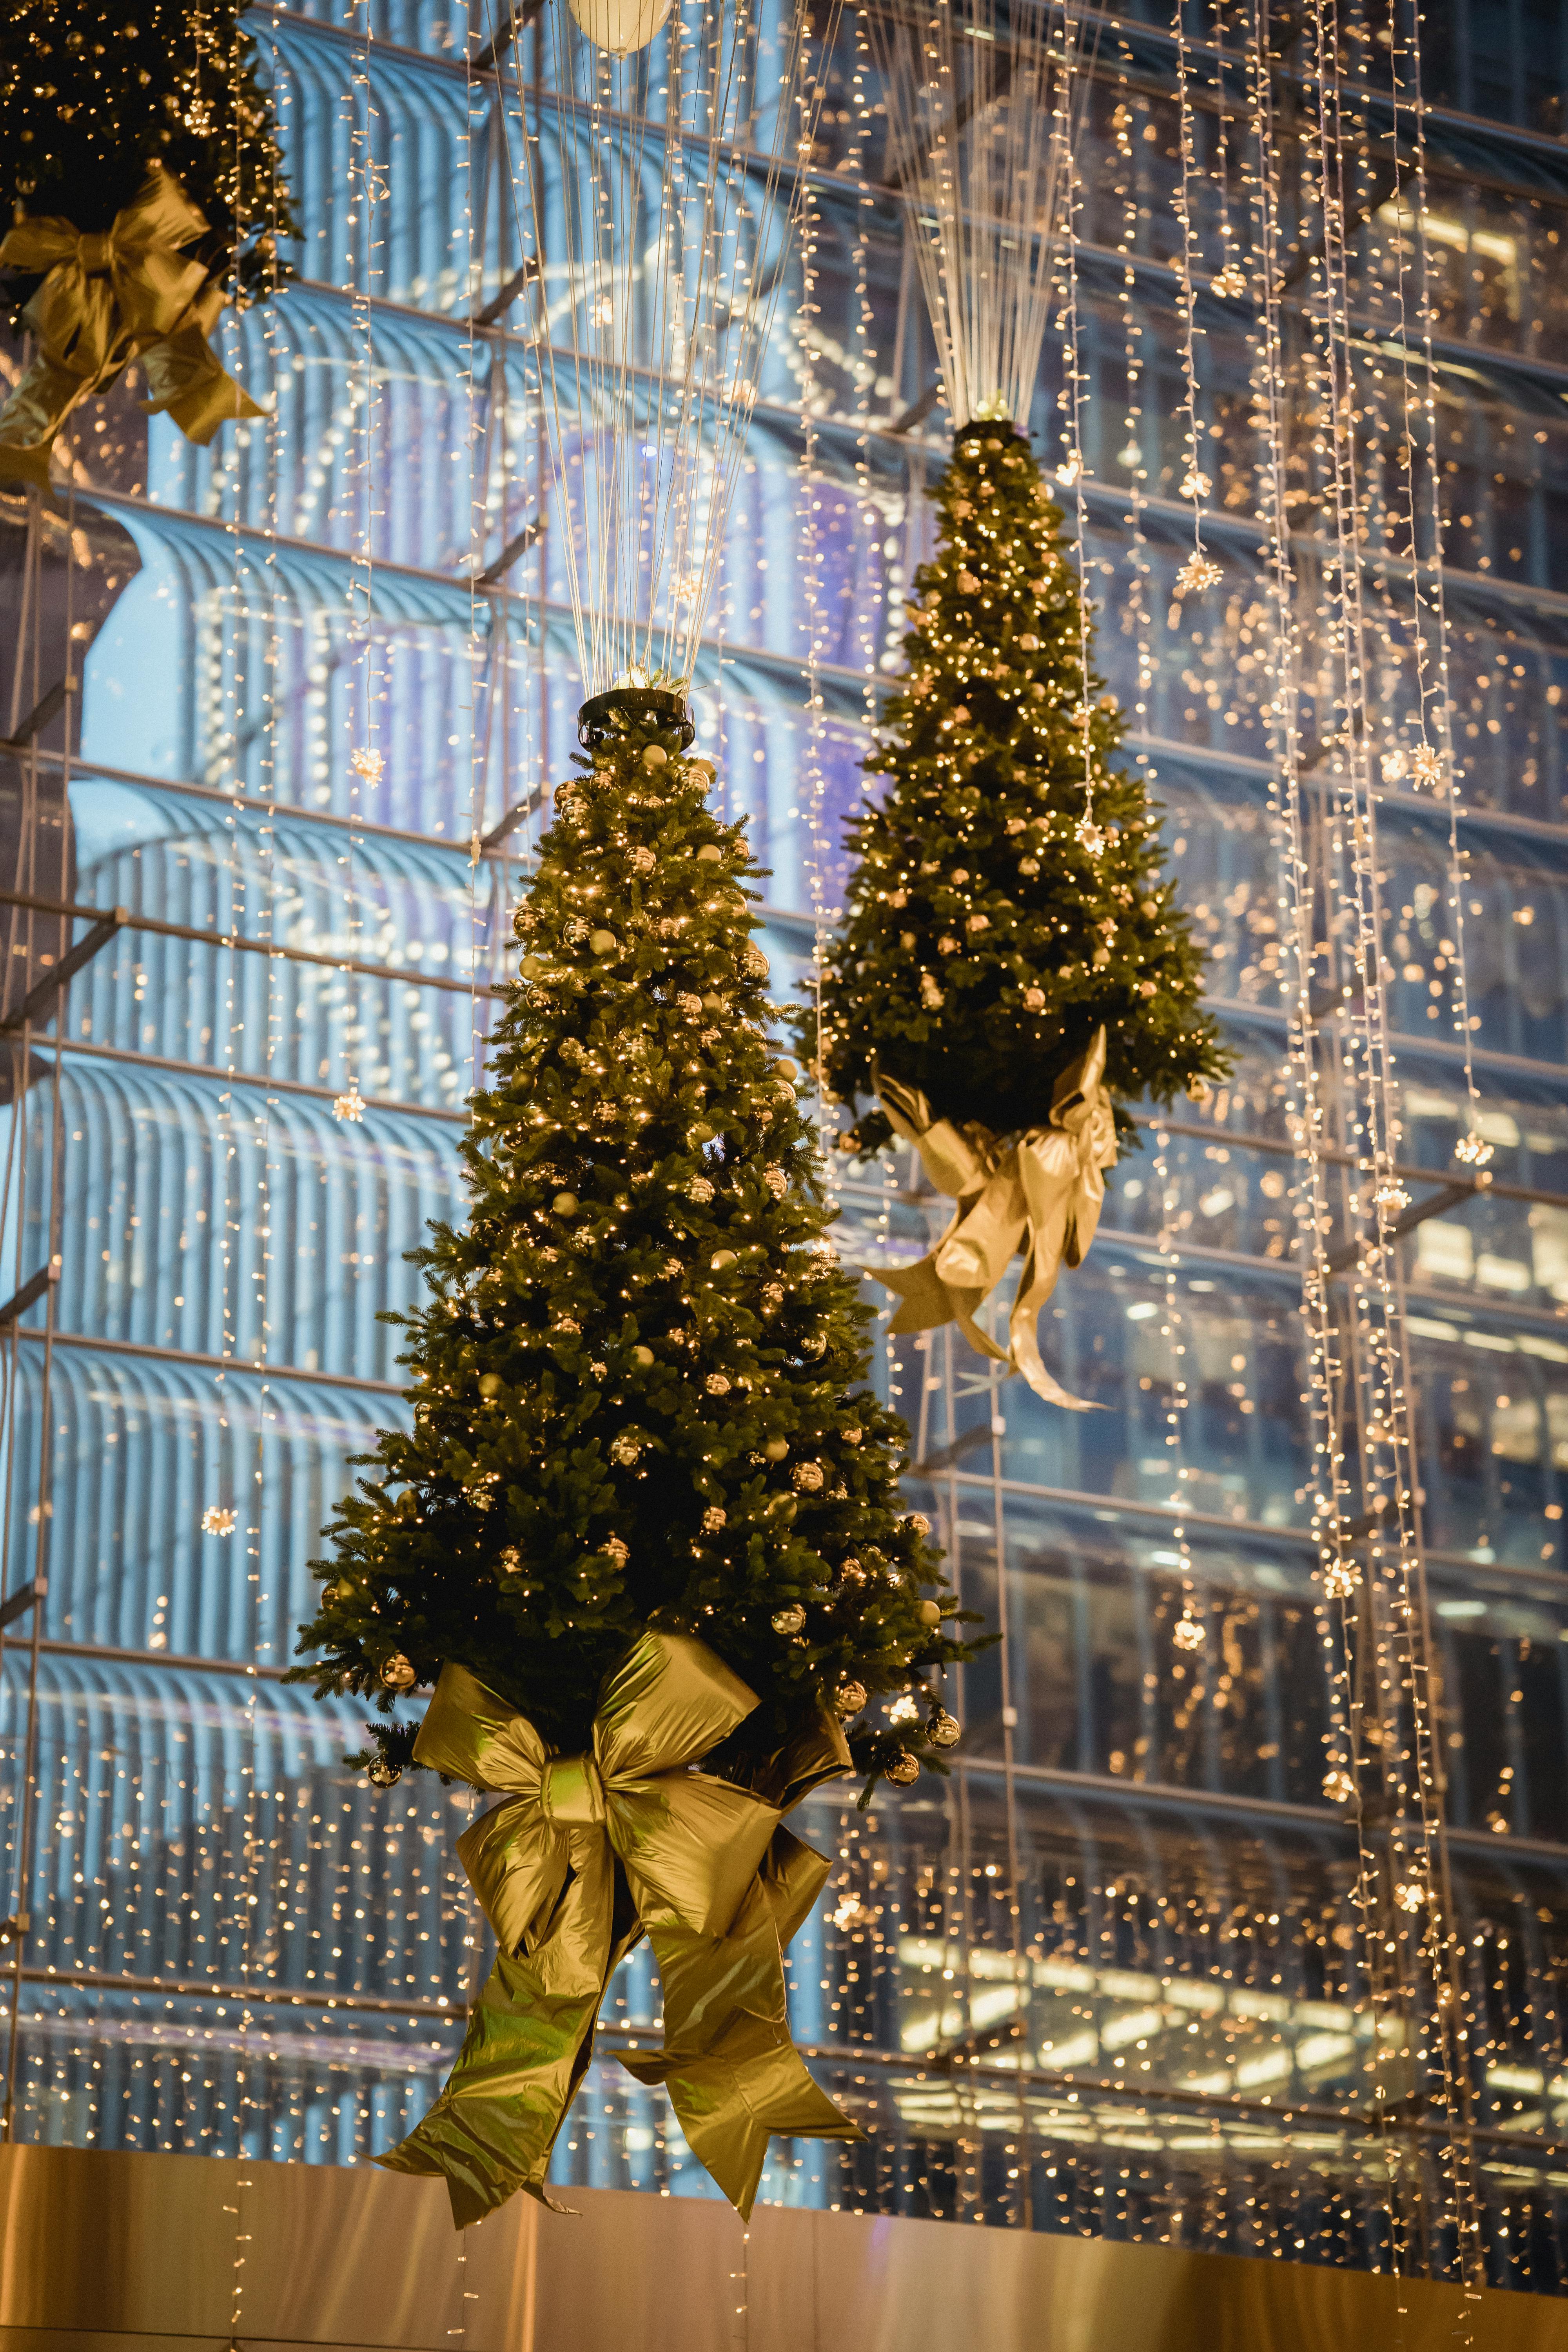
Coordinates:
<point>978,98</point>
<point>662,196</point>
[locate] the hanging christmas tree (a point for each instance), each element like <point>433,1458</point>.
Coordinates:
<point>638,1380</point>
<point>1008,898</point>
<point>647,1516</point>
<point>139,160</point>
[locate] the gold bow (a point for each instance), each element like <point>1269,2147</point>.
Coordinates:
<point>587,1853</point>
<point>1045,1195</point>
<point>106,299</point>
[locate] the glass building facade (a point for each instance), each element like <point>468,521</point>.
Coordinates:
<point>1108,1976</point>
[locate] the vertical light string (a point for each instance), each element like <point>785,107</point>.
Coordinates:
<point>250,581</point>
<point>367,762</point>
<point>1383,1763</point>
<point>50,1154</point>
<point>1072,399</point>
<point>1433,764</point>
<point>1231,278</point>
<point>1200,571</point>
<point>1307,1100</point>
<point>1390,1708</point>
<point>478,770</point>
<point>20,928</point>
<point>813,788</point>
<point>1131,456</point>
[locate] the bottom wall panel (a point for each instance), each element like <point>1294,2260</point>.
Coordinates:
<point>99,2252</point>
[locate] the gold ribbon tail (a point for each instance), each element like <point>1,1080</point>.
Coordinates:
<point>1045,1195</point>
<point>732,2072</point>
<point>186,379</point>
<point>39,405</point>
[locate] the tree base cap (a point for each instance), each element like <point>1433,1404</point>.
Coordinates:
<point>987,428</point>
<point>648,708</point>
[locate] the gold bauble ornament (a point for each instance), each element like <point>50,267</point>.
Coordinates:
<point>848,1699</point>
<point>790,1620</point>
<point>904,1772</point>
<point>943,1730</point>
<point>382,1774</point>
<point>397,1673</point>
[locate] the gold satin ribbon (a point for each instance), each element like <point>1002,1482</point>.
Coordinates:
<point>108,298</point>
<point>1045,1196</point>
<point>586,1854</point>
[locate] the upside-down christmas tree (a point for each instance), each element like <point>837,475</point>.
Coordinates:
<point>638,1380</point>
<point>643,1462</point>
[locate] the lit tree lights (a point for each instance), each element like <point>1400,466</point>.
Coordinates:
<point>638,1379</point>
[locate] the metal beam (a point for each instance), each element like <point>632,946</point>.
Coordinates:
<point>32,1290</point>
<point>920,412</point>
<point>507,295</point>
<point>1444,1198</point>
<point>518,21</point>
<point>529,536</point>
<point>321,957</point>
<point>21,1601</point>
<point>36,1003</point>
<point>966,1441</point>
<point>38,718</point>
<point>491,842</point>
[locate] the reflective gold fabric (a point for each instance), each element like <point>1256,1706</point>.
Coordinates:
<point>586,1854</point>
<point>106,299</point>
<point>1043,1196</point>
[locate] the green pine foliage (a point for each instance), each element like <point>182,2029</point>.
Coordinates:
<point>90,94</point>
<point>990,929</point>
<point>638,1377</point>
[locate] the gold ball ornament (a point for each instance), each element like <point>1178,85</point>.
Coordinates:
<point>848,1699</point>
<point>711,853</point>
<point>943,1730</point>
<point>397,1673</point>
<point>790,1620</point>
<point>776,1448</point>
<point>930,1613</point>
<point>655,756</point>
<point>564,1204</point>
<point>904,1772</point>
<point>604,943</point>
<point>382,1775</point>
<point>643,1356</point>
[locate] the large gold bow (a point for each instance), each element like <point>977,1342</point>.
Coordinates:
<point>1043,1195</point>
<point>106,299</point>
<point>587,1853</point>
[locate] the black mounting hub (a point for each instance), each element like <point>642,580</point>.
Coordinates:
<point>643,709</point>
